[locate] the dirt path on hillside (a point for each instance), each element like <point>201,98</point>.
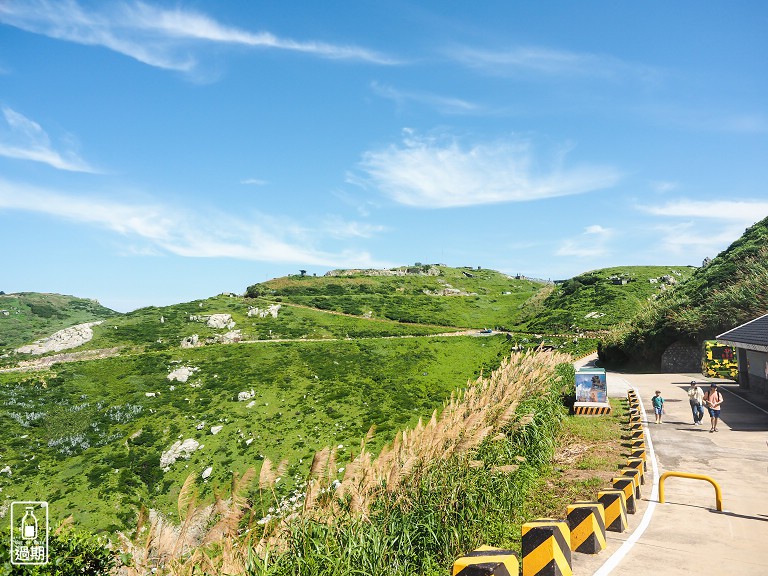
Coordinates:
<point>66,357</point>
<point>47,361</point>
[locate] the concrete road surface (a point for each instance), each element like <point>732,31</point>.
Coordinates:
<point>687,535</point>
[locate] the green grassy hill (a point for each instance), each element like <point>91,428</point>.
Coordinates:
<point>457,297</point>
<point>88,436</point>
<point>727,292</point>
<point>317,360</point>
<point>27,316</point>
<point>163,328</point>
<point>603,298</point>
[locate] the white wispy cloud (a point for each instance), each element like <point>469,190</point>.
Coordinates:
<point>691,238</point>
<point>174,230</point>
<point>444,104</point>
<point>697,117</point>
<point>703,227</point>
<point>441,172</point>
<point>253,182</point>
<point>338,228</point>
<point>157,36</point>
<point>25,139</point>
<point>742,211</point>
<point>663,186</point>
<point>548,62</point>
<point>592,242</point>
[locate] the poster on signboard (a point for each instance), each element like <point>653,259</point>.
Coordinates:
<point>591,386</point>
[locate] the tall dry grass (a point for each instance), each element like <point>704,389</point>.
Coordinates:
<point>470,415</point>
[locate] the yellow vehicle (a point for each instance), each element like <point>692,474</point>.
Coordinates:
<point>719,361</point>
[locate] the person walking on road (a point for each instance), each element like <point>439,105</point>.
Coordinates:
<point>713,399</point>
<point>658,406</point>
<point>696,398</point>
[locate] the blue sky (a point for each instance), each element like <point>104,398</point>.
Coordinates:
<point>156,152</point>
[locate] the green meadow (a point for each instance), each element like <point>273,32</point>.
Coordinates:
<point>316,362</point>
<point>88,436</point>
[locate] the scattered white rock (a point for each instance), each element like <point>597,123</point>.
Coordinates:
<point>178,450</point>
<point>182,373</point>
<point>263,313</point>
<point>251,404</point>
<point>6,470</point>
<point>150,394</point>
<point>220,321</point>
<point>216,429</point>
<point>71,337</point>
<point>231,336</point>
<point>200,426</point>
<point>243,396</point>
<point>206,473</point>
<point>190,341</point>
<point>594,315</point>
<point>248,442</point>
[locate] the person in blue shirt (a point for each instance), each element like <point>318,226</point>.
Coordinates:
<point>658,406</point>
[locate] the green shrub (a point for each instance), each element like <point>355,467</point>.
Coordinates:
<point>70,553</point>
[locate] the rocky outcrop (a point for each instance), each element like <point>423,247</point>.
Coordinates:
<point>230,337</point>
<point>448,290</point>
<point>71,337</point>
<point>178,450</point>
<point>190,341</point>
<point>406,271</point>
<point>220,321</point>
<point>182,373</point>
<point>264,312</point>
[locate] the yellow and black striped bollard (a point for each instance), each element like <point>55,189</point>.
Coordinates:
<point>627,485</point>
<point>487,561</point>
<point>587,523</point>
<point>633,473</point>
<point>637,444</point>
<point>615,505</point>
<point>638,464</point>
<point>546,548</point>
<point>639,453</point>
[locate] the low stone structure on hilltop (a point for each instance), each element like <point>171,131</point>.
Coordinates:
<point>428,270</point>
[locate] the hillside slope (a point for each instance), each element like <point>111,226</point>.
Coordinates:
<point>433,294</point>
<point>299,364</point>
<point>727,292</point>
<point>602,298</point>
<point>27,316</point>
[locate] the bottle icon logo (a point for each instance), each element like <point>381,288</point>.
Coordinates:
<point>29,525</point>
<point>29,533</point>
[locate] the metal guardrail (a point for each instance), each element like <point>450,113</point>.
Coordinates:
<point>718,492</point>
